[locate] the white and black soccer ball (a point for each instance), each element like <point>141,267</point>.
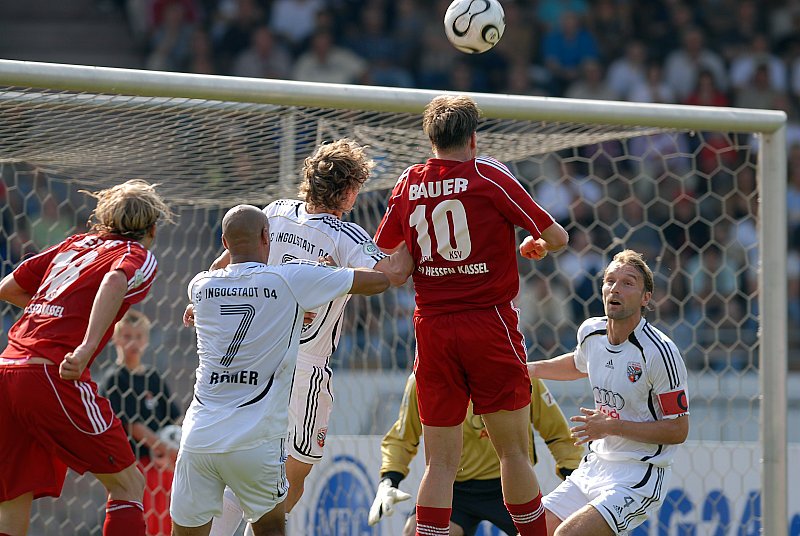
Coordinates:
<point>474,26</point>
<point>171,435</point>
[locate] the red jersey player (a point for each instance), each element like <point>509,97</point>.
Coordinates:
<point>72,295</point>
<point>457,214</point>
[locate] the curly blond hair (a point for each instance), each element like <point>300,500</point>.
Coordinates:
<point>128,209</point>
<point>332,172</point>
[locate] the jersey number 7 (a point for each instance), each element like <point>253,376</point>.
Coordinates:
<point>248,313</point>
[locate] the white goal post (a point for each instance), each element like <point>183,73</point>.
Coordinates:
<point>552,124</point>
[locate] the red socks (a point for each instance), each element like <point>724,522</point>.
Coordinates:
<point>124,518</point>
<point>529,517</point>
<point>433,521</point>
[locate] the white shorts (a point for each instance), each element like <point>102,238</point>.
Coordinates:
<point>257,476</point>
<point>310,407</point>
<point>624,493</point>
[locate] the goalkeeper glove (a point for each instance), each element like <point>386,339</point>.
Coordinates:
<point>383,505</point>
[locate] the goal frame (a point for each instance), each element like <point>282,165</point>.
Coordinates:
<point>770,174</point>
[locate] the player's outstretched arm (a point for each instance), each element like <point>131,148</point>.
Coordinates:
<point>554,238</point>
<point>368,282</point>
<point>559,368</point>
<point>106,305</point>
<point>397,266</point>
<point>11,292</point>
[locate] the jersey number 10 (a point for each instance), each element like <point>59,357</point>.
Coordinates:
<point>450,229</point>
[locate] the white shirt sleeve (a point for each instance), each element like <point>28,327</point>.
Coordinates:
<point>579,356</point>
<point>364,254</point>
<point>191,285</point>
<point>316,284</point>
<point>667,374</point>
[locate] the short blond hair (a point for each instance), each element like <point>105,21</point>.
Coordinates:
<point>128,209</point>
<point>635,259</point>
<point>135,319</point>
<point>449,121</point>
<point>332,172</point>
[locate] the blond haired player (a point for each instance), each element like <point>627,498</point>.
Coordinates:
<point>309,229</point>
<point>477,495</point>
<point>457,214</point>
<point>72,294</point>
<point>641,411</point>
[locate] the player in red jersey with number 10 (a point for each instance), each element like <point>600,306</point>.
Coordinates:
<point>72,295</point>
<point>457,214</point>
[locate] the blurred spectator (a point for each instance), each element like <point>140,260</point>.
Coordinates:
<point>610,23</point>
<point>373,41</point>
<point>172,36</point>
<point>232,31</point>
<point>520,82</point>
<point>758,93</point>
<point>201,54</point>
<point>551,12</point>
<point>407,30</point>
<point>683,65</point>
<point>629,71</point>
<point>744,65</point>
<point>566,47</point>
<point>591,84</point>
<point>326,62</point>
<point>748,23</point>
<point>522,37</point>
<point>654,88</point>
<point>264,58</point>
<point>706,92</point>
<point>294,19</point>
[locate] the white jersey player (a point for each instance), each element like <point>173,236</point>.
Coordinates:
<point>248,318</point>
<point>310,229</point>
<point>641,411</point>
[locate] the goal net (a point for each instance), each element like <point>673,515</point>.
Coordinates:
<point>683,186</point>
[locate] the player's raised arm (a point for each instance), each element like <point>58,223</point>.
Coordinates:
<point>554,238</point>
<point>558,368</point>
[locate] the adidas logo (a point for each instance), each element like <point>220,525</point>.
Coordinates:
<point>610,364</point>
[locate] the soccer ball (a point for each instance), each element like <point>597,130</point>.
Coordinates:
<point>474,26</point>
<point>171,435</point>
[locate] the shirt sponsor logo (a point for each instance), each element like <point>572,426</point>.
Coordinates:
<point>45,309</point>
<point>608,398</point>
<point>634,371</point>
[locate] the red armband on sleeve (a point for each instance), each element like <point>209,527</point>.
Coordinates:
<point>674,402</point>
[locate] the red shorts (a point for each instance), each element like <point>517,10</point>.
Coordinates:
<point>478,355</point>
<point>49,424</point>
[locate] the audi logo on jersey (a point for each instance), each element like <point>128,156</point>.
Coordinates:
<point>611,399</point>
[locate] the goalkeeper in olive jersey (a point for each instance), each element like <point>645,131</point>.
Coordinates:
<point>477,495</point>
